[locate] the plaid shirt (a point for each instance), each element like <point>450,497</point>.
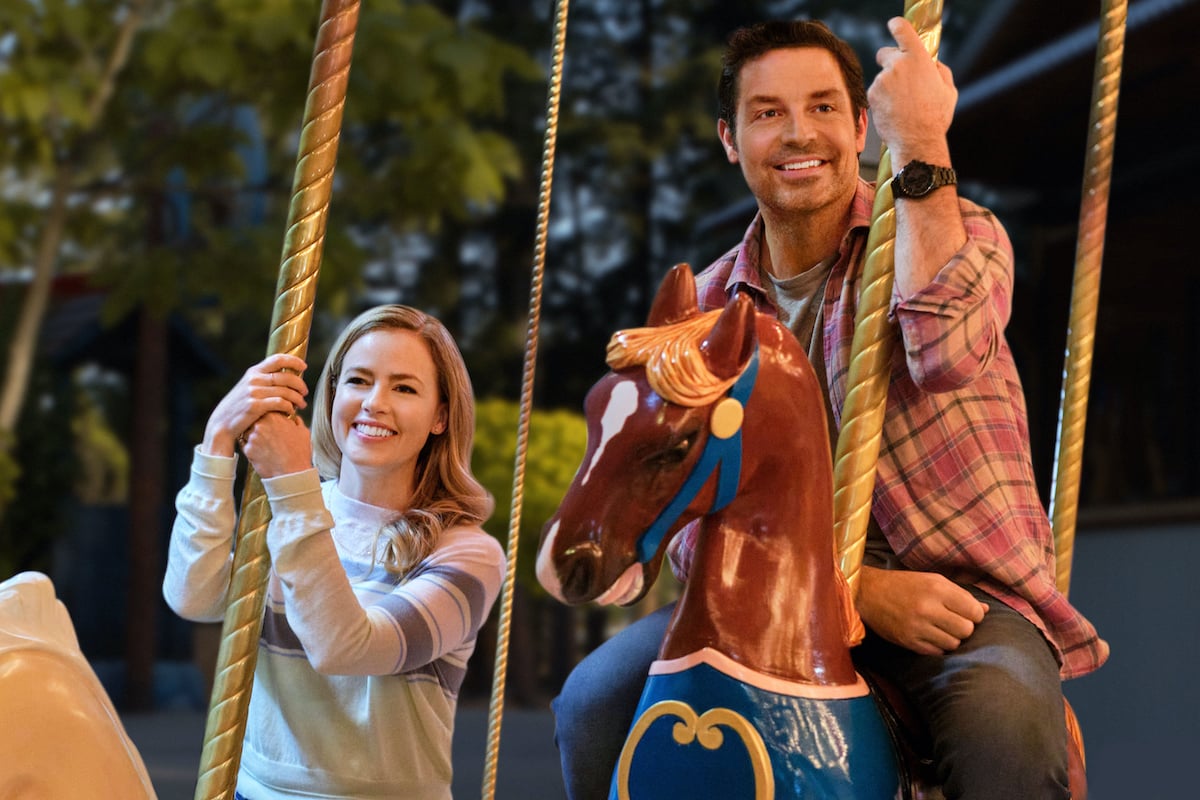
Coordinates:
<point>955,491</point>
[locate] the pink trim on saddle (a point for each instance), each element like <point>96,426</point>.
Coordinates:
<point>726,665</point>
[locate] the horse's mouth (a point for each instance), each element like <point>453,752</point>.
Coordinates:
<point>627,589</point>
<point>575,575</point>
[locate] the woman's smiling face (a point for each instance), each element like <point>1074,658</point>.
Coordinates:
<point>385,406</point>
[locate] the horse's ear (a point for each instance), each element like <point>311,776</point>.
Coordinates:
<point>676,298</point>
<point>729,345</point>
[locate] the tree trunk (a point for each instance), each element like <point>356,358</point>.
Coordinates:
<point>24,342</point>
<point>147,469</point>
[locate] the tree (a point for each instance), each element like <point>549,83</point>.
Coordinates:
<point>49,121</point>
<point>153,149</point>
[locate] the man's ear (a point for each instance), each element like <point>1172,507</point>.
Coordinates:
<point>725,134</point>
<point>860,131</point>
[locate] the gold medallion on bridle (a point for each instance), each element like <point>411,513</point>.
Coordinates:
<point>726,418</point>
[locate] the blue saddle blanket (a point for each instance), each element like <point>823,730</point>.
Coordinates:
<point>700,733</point>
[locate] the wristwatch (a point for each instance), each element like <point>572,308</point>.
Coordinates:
<point>918,179</point>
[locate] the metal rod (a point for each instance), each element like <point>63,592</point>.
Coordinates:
<point>554,95</point>
<point>290,324</point>
<point>857,453</point>
<point>1085,291</point>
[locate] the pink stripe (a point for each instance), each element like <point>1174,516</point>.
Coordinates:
<point>727,666</point>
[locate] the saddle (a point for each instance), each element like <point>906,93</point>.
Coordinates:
<point>914,746</point>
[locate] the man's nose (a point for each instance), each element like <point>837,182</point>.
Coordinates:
<point>797,129</point>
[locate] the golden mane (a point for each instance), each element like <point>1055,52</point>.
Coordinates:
<point>671,355</point>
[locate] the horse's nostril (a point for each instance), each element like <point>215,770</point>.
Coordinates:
<point>580,566</point>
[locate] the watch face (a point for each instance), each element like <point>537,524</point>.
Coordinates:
<point>916,178</point>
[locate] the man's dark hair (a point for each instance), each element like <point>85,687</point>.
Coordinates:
<point>747,44</point>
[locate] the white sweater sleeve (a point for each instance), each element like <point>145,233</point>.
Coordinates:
<point>200,557</point>
<point>435,612</point>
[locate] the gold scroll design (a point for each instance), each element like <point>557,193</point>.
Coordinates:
<point>706,729</point>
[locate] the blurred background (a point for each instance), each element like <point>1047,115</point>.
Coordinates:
<point>146,158</point>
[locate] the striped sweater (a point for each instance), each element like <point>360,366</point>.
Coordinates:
<point>358,670</point>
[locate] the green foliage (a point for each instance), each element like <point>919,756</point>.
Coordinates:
<point>556,444</point>
<point>414,145</point>
<point>180,170</point>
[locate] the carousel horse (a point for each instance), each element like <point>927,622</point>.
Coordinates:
<point>61,736</point>
<point>718,417</point>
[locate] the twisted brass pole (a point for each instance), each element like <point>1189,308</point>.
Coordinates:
<point>1085,291</point>
<point>857,452</point>
<point>290,324</point>
<point>554,95</point>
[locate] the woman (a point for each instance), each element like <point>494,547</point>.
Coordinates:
<point>380,576</point>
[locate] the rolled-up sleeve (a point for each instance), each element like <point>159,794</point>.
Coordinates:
<point>953,328</point>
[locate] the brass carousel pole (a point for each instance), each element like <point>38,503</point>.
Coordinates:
<point>290,324</point>
<point>554,95</point>
<point>857,453</point>
<point>1085,291</point>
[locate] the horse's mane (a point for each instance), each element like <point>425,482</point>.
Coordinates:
<point>671,354</point>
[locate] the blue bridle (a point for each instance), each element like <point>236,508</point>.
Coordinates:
<point>723,454</point>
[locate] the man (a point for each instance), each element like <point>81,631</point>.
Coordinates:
<point>957,588</point>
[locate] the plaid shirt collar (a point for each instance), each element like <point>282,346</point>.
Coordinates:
<point>745,269</point>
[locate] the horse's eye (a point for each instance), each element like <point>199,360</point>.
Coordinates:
<point>672,456</point>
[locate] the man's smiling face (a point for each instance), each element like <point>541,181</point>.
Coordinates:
<point>797,137</point>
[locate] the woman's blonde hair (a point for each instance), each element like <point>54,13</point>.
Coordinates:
<point>446,493</point>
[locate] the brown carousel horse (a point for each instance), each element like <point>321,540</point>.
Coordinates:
<point>718,417</point>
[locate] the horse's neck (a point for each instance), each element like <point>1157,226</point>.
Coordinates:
<point>763,592</point>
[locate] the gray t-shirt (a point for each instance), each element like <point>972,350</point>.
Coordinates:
<point>799,301</point>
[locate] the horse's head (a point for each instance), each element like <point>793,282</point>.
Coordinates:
<point>663,432</point>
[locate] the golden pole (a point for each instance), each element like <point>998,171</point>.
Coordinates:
<point>554,95</point>
<point>857,453</point>
<point>1085,291</point>
<point>290,324</point>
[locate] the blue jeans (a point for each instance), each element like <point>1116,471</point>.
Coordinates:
<point>994,707</point>
<point>595,708</point>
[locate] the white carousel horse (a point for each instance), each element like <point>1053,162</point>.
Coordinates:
<point>61,736</point>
